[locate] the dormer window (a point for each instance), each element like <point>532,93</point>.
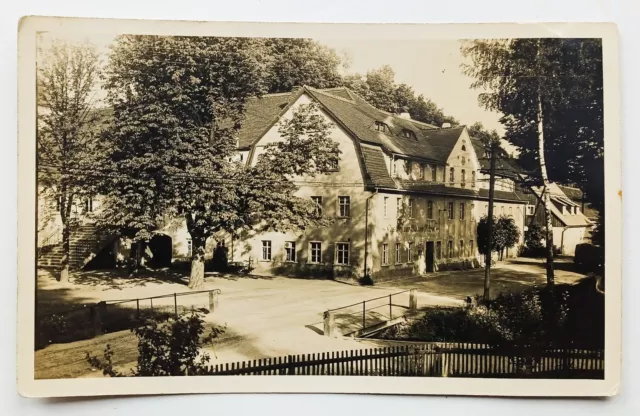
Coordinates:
<point>408,134</point>
<point>382,127</point>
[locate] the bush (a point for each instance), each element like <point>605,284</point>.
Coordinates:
<point>170,348</point>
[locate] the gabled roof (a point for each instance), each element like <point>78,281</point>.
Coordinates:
<point>505,165</point>
<point>358,117</point>
<point>558,196</point>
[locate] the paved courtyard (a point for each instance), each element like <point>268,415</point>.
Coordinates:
<point>264,316</point>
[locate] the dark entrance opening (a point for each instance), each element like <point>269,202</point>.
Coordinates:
<point>161,248</point>
<point>429,256</point>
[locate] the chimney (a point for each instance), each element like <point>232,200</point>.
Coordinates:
<point>446,125</point>
<point>405,114</point>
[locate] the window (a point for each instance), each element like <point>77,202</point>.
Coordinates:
<point>316,252</point>
<point>438,249</point>
<point>290,251</point>
<point>511,211</point>
<point>397,258</point>
<point>317,200</point>
<point>464,149</point>
<point>461,248</point>
<point>408,134</point>
<point>266,250</point>
<point>502,210</point>
<point>385,205</point>
<point>241,157</point>
<point>430,209</point>
<point>434,173</point>
<point>420,171</point>
<point>531,210</point>
<point>463,178</point>
<point>450,249</point>
<point>462,210</point>
<point>463,160</point>
<point>473,179</point>
<point>398,207</point>
<point>471,252</point>
<point>410,252</point>
<point>381,127</point>
<point>452,175</point>
<point>385,254</point>
<point>450,210</point>
<point>344,206</point>
<point>189,248</point>
<point>342,253</point>
<point>395,168</point>
<point>410,208</point>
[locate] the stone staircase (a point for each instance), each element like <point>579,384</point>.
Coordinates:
<point>85,240</point>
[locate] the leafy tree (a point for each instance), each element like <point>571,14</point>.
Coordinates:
<point>504,234</point>
<point>293,62</point>
<point>169,348</point>
<point>550,93</point>
<point>65,134</point>
<point>379,89</point>
<point>178,103</point>
<point>533,237</point>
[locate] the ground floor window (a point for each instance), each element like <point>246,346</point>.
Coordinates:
<point>438,249</point>
<point>398,260</point>
<point>385,254</point>
<point>450,249</point>
<point>266,250</point>
<point>410,252</point>
<point>461,248</point>
<point>290,251</point>
<point>316,252</point>
<point>342,253</point>
<point>471,252</point>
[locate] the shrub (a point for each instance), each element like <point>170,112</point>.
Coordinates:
<point>170,348</point>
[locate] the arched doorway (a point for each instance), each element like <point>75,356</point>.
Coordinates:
<point>161,247</point>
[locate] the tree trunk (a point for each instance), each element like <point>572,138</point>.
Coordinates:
<point>196,278</point>
<point>546,195</point>
<point>66,250</point>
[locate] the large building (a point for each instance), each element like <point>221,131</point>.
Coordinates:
<point>404,199</point>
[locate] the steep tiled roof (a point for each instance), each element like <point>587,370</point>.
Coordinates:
<point>260,114</point>
<point>376,167</point>
<point>359,117</point>
<point>442,189</point>
<point>505,166</point>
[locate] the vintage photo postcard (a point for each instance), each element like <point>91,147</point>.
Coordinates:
<point>323,208</point>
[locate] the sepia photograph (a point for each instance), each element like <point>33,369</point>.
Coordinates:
<point>236,203</point>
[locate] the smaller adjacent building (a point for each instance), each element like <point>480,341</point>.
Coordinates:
<point>570,225</point>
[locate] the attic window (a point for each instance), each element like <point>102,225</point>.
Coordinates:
<point>408,134</point>
<point>382,127</point>
<point>464,148</point>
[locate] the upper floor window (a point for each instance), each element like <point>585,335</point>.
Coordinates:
<point>382,127</point>
<point>408,134</point>
<point>464,149</point>
<point>430,209</point>
<point>462,210</point>
<point>410,206</point>
<point>450,210</point>
<point>420,171</point>
<point>452,175</point>
<point>344,206</point>
<point>317,200</point>
<point>434,172</point>
<point>463,160</point>
<point>385,206</point>
<point>398,207</point>
<point>463,178</point>
<point>473,179</point>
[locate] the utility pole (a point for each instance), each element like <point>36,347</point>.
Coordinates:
<point>487,260</point>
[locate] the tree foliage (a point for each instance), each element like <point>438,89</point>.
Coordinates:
<point>178,103</point>
<point>66,131</point>
<point>169,348</point>
<point>378,88</point>
<point>504,234</point>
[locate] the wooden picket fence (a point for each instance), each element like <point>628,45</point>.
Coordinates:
<point>428,360</point>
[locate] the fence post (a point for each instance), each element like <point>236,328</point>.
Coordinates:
<point>175,303</point>
<point>137,308</point>
<point>291,368</point>
<point>390,309</point>
<point>444,362</point>
<point>364,315</point>
<point>328,323</point>
<point>213,301</point>
<point>413,300</point>
<point>97,314</point>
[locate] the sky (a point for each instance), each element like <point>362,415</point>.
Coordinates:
<point>430,66</point>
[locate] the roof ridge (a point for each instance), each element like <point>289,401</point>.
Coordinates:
<point>325,92</point>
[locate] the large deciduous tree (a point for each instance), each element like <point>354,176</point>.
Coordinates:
<point>550,94</point>
<point>178,103</point>
<point>66,81</point>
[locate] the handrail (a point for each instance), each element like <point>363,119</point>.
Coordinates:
<point>368,300</point>
<point>54,233</point>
